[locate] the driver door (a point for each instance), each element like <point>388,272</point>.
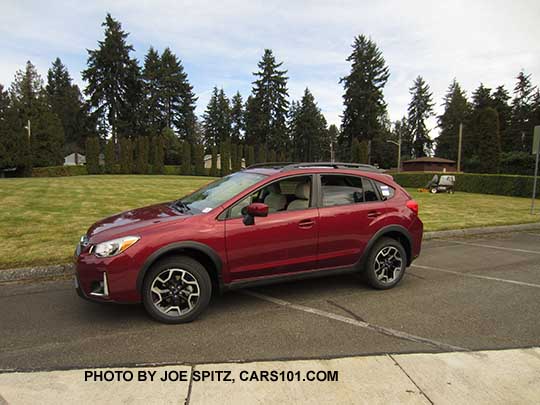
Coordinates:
<point>283,242</point>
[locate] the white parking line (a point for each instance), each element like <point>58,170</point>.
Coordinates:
<point>503,280</point>
<point>496,247</point>
<point>355,322</point>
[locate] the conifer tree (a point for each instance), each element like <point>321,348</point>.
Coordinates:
<point>159,155</point>
<point>154,120</point>
<point>186,158</point>
<point>456,112</point>
<point>521,131</point>
<point>214,172</point>
<point>234,157</point>
<point>363,97</point>
<point>92,155</point>
<point>110,157</point>
<point>356,153</point>
<point>420,109</point>
<point>126,156</point>
<point>111,75</point>
<point>225,158</point>
<point>489,146</point>
<point>250,155</point>
<point>237,119</point>
<point>504,112</point>
<point>198,157</point>
<point>266,109</point>
<point>217,119</point>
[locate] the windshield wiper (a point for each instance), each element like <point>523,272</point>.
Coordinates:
<point>182,205</point>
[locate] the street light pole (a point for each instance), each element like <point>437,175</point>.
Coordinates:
<point>398,143</point>
<point>459,147</point>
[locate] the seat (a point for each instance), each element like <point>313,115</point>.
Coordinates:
<point>302,197</point>
<point>275,200</point>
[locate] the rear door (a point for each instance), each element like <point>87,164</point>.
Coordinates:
<point>350,212</point>
<point>283,242</point>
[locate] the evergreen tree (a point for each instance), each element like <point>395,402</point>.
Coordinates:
<point>186,158</point>
<point>384,153</point>
<point>177,97</point>
<point>420,109</point>
<point>198,157</point>
<point>332,136</point>
<point>66,102</point>
<point>30,107</point>
<point>5,128</point>
<point>363,97</point>
<point>482,98</point>
<point>500,103</point>
<point>240,157</point>
<point>309,130</point>
<point>356,153</point>
<point>159,155</point>
<point>110,157</point>
<point>92,155</point>
<point>141,146</point>
<point>237,118</point>
<point>217,119</point>
<point>266,109</point>
<point>261,154</point>
<point>126,156</point>
<point>154,120</point>
<point>234,158</point>
<point>489,146</point>
<point>250,155</point>
<point>225,158</point>
<point>521,125</point>
<point>110,75</point>
<point>456,112</point>
<point>214,172</point>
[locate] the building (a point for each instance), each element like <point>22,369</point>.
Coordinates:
<point>74,159</point>
<point>429,164</point>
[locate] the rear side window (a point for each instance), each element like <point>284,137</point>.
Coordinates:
<point>385,190</point>
<point>344,190</point>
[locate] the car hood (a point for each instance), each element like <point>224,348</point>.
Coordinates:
<point>132,221</point>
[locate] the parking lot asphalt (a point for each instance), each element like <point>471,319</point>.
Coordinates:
<point>461,294</point>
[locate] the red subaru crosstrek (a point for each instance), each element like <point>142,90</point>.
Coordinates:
<point>263,224</point>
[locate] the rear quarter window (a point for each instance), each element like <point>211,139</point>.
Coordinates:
<point>385,190</point>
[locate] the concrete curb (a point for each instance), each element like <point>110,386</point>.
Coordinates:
<point>38,272</point>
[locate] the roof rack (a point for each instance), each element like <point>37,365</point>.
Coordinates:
<point>270,165</point>
<point>285,166</point>
<point>334,165</point>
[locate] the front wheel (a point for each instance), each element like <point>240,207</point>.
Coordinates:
<point>386,264</point>
<point>176,290</point>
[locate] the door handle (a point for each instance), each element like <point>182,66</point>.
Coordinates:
<point>374,214</point>
<point>306,223</point>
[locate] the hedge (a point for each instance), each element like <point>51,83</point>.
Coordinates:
<point>59,171</point>
<point>62,171</point>
<point>499,184</point>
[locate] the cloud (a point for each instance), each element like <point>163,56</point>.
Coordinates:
<point>220,42</point>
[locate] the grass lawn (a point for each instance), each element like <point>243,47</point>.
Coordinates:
<point>41,219</point>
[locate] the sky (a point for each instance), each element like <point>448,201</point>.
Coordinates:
<point>220,42</point>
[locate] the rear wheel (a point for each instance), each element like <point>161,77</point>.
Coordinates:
<point>386,264</point>
<point>176,290</point>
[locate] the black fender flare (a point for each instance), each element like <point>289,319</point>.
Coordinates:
<point>192,245</point>
<point>382,232</point>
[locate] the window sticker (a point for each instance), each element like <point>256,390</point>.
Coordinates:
<point>385,190</point>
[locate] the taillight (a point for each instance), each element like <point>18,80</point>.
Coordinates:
<point>413,206</point>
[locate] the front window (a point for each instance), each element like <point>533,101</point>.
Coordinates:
<point>220,191</point>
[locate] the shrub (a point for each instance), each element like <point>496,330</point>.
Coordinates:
<point>498,184</point>
<point>59,171</point>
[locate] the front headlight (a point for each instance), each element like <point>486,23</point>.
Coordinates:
<point>114,247</point>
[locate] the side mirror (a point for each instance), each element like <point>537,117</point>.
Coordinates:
<point>254,210</point>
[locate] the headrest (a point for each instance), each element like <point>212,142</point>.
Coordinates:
<point>302,191</point>
<point>274,188</point>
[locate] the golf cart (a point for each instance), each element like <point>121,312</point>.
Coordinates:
<point>443,185</point>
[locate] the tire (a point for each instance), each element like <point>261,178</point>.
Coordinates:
<point>175,282</point>
<point>384,253</point>
<point>433,190</point>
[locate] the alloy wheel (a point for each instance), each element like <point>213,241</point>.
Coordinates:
<point>388,264</point>
<point>175,292</point>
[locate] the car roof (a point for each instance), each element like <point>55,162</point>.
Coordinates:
<point>283,169</point>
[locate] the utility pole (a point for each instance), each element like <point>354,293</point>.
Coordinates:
<point>459,147</point>
<point>398,143</point>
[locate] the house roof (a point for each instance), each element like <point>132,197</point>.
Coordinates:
<point>430,160</point>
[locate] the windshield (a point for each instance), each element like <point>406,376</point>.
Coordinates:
<point>219,191</point>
